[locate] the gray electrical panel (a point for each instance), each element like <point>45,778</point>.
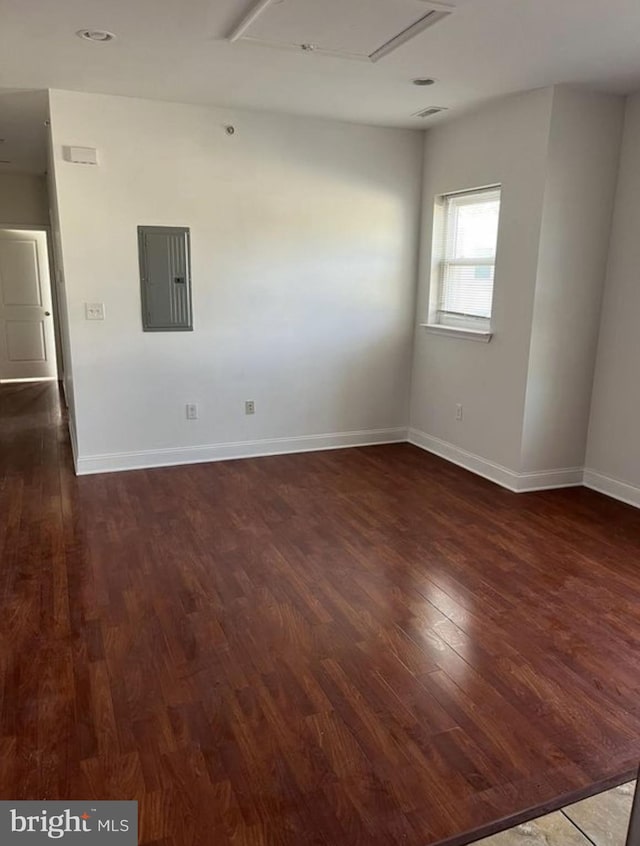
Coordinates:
<point>165,278</point>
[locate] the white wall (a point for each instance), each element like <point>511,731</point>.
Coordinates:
<point>58,290</point>
<point>613,453</point>
<point>582,167</point>
<point>23,199</point>
<point>526,395</point>
<point>304,249</point>
<point>305,239</point>
<point>506,143</point>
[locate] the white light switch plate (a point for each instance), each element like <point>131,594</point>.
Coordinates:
<point>94,311</point>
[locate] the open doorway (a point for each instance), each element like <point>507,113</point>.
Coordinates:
<point>27,313</point>
<point>29,342</point>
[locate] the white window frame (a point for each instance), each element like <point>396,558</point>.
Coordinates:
<point>473,327</point>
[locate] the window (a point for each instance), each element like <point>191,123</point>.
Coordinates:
<point>467,228</point>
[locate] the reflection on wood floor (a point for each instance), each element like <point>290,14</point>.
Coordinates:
<point>365,646</point>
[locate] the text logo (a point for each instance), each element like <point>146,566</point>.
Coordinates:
<point>83,823</point>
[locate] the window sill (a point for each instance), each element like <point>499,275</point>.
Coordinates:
<point>458,332</point>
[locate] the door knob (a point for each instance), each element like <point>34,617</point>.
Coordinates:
<point>47,314</point>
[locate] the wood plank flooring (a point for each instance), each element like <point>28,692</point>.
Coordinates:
<point>365,646</point>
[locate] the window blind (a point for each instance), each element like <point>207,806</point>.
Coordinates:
<point>468,258</point>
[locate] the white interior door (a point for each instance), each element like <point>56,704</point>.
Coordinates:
<point>27,339</point>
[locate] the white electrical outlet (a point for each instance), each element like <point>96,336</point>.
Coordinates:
<point>94,311</point>
<point>192,411</point>
<point>458,411</point>
<point>249,407</point>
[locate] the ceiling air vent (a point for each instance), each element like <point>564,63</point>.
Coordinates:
<point>429,112</point>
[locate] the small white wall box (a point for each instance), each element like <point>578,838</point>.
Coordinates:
<point>81,155</point>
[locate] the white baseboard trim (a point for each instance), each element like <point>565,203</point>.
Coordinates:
<point>614,488</point>
<point>112,462</point>
<point>565,477</point>
<point>503,476</point>
<point>74,442</point>
<point>550,480</point>
<point>28,380</point>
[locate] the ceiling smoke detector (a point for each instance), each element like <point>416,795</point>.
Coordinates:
<point>429,111</point>
<point>100,36</point>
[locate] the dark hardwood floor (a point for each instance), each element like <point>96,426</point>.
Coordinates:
<point>365,646</point>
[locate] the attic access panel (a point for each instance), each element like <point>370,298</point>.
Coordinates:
<point>357,29</point>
